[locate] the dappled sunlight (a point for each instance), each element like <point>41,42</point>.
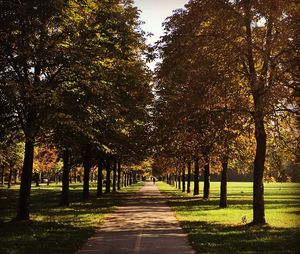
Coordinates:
<point>212,229</point>
<point>52,227</point>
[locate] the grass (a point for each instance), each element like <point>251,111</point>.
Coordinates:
<point>54,229</point>
<point>214,230</point>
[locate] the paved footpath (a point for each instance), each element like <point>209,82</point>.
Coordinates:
<point>144,225</point>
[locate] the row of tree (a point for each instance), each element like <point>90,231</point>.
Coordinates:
<point>72,76</point>
<point>48,167</point>
<point>227,89</point>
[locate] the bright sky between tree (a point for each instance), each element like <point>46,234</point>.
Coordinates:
<point>154,13</point>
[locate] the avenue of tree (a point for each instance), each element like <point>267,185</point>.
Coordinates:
<point>78,103</point>
<point>73,78</point>
<point>228,92</point>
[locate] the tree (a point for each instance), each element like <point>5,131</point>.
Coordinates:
<point>75,60</point>
<point>32,57</point>
<point>239,44</point>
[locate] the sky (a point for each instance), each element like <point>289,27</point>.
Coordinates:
<point>154,13</point>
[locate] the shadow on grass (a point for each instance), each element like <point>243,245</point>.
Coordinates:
<point>42,237</point>
<point>54,229</point>
<point>188,202</point>
<point>215,238</point>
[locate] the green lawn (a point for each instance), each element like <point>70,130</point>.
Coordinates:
<point>215,230</point>
<point>54,229</point>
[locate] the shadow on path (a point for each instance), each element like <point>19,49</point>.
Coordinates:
<point>144,224</point>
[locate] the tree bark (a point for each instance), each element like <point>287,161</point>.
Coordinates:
<point>23,205</point>
<point>196,177</point>
<point>179,180</point>
<point>259,163</point>
<point>2,176</point>
<point>223,194</point>
<point>119,175</point>
<point>48,178</point>
<point>115,176</point>
<point>9,178</point>
<point>99,182</point>
<point>65,178</point>
<point>183,178</point>
<point>189,178</point>
<point>86,174</point>
<point>258,92</point>
<point>16,176</point>
<point>124,179</point>
<point>108,171</point>
<point>206,188</point>
<point>130,178</point>
<point>37,179</point>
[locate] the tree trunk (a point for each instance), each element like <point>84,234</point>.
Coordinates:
<point>16,176</point>
<point>91,176</point>
<point>123,179</point>
<point>48,178</point>
<point>108,171</point>
<point>259,163</point>
<point>99,182</point>
<point>9,178</point>
<point>183,178</point>
<point>2,176</point>
<point>206,188</point>
<point>130,178</point>
<point>36,179</point>
<point>57,178</point>
<point>65,178</point>
<point>179,180</point>
<point>258,93</point>
<point>189,178</point>
<point>119,175</point>
<point>196,177</point>
<point>115,176</point>
<point>175,181</point>
<point>86,174</point>
<point>223,194</point>
<point>23,205</point>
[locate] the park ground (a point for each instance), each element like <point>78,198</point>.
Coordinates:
<point>55,229</point>
<point>214,230</point>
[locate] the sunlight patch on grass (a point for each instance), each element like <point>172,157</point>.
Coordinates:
<point>215,230</point>
<point>55,229</point>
